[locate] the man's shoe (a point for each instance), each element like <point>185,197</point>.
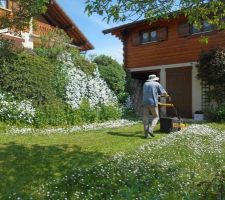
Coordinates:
<point>147,135</point>
<point>150,132</point>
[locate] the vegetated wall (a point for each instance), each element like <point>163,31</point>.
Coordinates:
<point>36,89</point>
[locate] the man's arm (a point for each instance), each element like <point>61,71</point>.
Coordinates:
<point>165,94</point>
<point>161,91</point>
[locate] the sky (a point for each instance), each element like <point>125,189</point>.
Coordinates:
<point>92,28</point>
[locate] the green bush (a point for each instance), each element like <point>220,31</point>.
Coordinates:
<point>129,113</point>
<point>211,71</point>
<point>109,112</point>
<point>81,62</point>
<point>74,55</point>
<point>56,44</point>
<point>114,74</point>
<point>60,80</point>
<point>53,44</point>
<point>85,114</point>
<point>51,112</point>
<point>40,76</point>
<point>220,113</point>
<point>56,112</point>
<point>28,76</point>
<point>6,49</point>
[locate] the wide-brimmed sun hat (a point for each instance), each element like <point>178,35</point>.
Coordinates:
<point>153,77</point>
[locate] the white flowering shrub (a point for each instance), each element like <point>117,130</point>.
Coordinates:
<point>12,110</point>
<point>64,86</point>
<point>76,88</point>
<point>98,91</point>
<point>93,88</point>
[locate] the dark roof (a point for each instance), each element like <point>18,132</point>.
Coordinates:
<point>57,16</point>
<point>125,26</point>
<point>132,24</point>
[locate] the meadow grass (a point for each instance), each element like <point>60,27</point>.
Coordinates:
<point>27,161</point>
<point>189,164</point>
<point>113,164</point>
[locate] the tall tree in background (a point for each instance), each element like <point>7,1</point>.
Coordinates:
<point>212,11</point>
<point>114,74</point>
<point>22,12</point>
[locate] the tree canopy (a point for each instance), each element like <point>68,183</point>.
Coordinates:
<point>113,73</point>
<point>212,11</point>
<point>23,11</point>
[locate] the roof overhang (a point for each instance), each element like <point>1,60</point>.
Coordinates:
<point>57,16</point>
<point>124,27</point>
<point>120,29</point>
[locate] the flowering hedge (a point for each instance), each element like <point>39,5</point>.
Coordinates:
<point>114,74</point>
<point>62,90</point>
<point>13,110</point>
<point>86,86</point>
<point>64,87</point>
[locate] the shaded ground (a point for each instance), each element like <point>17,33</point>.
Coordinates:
<point>28,161</point>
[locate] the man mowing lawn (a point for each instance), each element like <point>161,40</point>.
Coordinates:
<point>151,92</point>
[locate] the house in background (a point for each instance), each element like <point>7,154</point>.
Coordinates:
<point>170,49</point>
<point>54,17</point>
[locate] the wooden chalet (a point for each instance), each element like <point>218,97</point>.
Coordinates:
<point>54,17</point>
<point>170,49</point>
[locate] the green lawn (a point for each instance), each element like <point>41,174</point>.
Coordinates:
<point>219,126</point>
<point>28,161</point>
<point>83,165</point>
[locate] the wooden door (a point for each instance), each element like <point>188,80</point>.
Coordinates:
<point>179,86</point>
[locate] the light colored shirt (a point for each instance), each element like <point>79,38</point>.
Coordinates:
<point>151,91</point>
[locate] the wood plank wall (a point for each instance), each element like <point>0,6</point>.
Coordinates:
<point>175,49</point>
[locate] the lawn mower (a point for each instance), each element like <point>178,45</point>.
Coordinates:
<point>171,124</point>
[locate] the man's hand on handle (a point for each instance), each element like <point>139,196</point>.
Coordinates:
<point>166,96</point>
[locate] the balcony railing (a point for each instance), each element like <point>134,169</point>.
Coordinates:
<point>41,28</point>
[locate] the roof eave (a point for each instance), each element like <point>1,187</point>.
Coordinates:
<point>125,26</point>
<point>87,44</point>
<point>135,23</point>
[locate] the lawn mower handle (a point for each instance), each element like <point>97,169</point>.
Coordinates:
<point>166,96</point>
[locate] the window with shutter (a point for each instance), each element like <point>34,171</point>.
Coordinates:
<point>187,29</point>
<point>145,37</point>
<point>195,29</point>
<point>184,29</point>
<point>148,36</point>
<point>153,36</point>
<point>206,27</point>
<point>162,34</point>
<point>135,38</point>
<point>4,3</point>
